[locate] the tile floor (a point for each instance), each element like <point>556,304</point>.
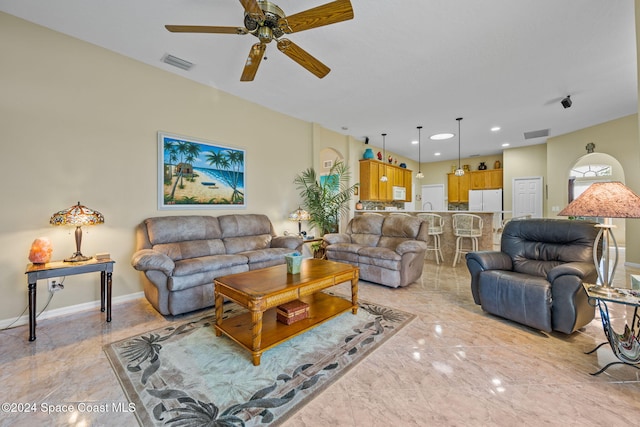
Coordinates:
<point>452,366</point>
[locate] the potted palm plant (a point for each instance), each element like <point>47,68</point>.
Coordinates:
<point>325,197</point>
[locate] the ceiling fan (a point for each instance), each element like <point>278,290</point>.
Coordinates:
<point>267,22</point>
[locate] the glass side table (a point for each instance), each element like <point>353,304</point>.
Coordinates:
<point>625,345</point>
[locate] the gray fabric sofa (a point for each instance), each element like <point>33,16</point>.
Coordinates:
<point>388,249</point>
<point>536,279</point>
<point>180,256</point>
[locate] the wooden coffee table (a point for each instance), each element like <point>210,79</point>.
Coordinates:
<point>261,291</point>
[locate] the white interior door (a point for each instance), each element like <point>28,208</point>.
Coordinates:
<point>433,197</point>
<point>527,197</point>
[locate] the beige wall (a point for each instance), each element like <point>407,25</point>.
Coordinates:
<point>80,123</point>
<point>530,161</point>
<point>617,138</point>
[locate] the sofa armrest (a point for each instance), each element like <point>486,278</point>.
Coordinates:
<point>148,259</point>
<point>586,271</point>
<point>333,238</point>
<point>289,242</point>
<point>410,246</point>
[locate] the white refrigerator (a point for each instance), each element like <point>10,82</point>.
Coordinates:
<point>487,201</point>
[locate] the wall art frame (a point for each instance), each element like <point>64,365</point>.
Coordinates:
<point>197,174</point>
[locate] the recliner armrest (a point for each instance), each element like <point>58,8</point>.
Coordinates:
<point>333,238</point>
<point>148,259</point>
<point>477,262</point>
<point>491,260</point>
<point>584,270</point>
<point>410,246</point>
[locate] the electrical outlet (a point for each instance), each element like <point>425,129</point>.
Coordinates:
<point>55,284</point>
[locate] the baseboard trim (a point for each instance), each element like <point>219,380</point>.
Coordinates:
<point>64,311</point>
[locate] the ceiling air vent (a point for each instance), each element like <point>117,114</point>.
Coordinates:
<point>177,62</point>
<point>536,134</point>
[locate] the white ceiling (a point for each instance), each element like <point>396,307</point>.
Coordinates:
<point>397,64</point>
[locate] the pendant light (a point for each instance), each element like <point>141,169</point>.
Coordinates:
<point>419,175</point>
<point>384,178</point>
<point>459,171</point>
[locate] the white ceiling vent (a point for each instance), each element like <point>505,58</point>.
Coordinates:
<point>536,134</point>
<point>177,62</point>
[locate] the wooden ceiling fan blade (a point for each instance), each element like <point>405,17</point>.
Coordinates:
<point>303,58</point>
<point>205,29</point>
<point>252,8</point>
<point>330,13</point>
<point>253,62</point>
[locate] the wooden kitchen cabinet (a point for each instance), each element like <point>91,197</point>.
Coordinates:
<point>458,187</point>
<point>486,179</point>
<point>371,188</point>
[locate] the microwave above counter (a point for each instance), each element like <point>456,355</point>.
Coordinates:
<point>399,193</point>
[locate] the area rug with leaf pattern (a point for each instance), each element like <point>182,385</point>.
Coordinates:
<point>186,376</point>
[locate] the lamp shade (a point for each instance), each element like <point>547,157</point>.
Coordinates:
<point>299,215</point>
<point>77,215</point>
<point>605,199</point>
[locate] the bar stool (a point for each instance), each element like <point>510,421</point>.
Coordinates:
<point>435,223</point>
<point>466,226</point>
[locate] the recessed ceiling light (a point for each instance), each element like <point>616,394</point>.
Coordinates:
<point>441,136</point>
<point>436,154</point>
<point>495,129</point>
<point>506,144</point>
<point>414,142</point>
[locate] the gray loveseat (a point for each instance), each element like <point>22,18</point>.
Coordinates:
<point>180,256</point>
<point>388,249</point>
<point>536,279</point>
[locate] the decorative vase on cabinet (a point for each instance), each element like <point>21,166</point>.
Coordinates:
<point>368,154</point>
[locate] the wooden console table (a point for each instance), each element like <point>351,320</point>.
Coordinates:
<point>37,272</point>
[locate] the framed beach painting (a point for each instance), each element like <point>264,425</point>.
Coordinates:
<point>198,174</point>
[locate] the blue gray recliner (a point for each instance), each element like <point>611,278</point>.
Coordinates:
<point>536,279</point>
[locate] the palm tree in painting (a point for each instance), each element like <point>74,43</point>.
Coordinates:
<point>181,152</point>
<point>172,152</point>
<point>229,165</point>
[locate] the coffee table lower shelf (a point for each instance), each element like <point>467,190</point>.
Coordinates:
<point>322,307</point>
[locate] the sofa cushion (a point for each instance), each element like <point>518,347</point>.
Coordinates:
<point>193,249</point>
<point>401,226</point>
<point>186,267</point>
<point>234,245</point>
<point>397,229</point>
<point>343,252</point>
<point>171,229</point>
<point>365,230</point>
<point>380,257</point>
<point>266,255</point>
<point>538,246</point>
<point>245,225</point>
